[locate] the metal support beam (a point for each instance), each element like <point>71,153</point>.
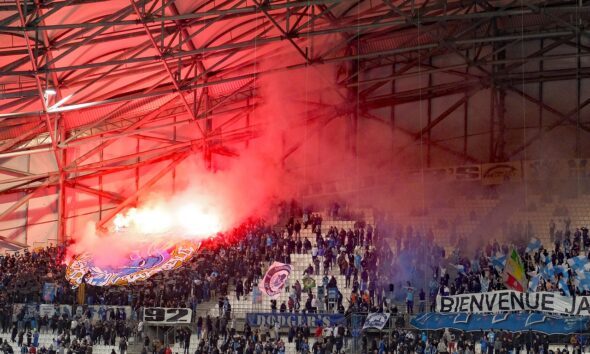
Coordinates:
<point>441,147</point>
<point>39,86</point>
<point>288,36</point>
<point>167,67</point>
<point>100,193</point>
<point>133,197</point>
<point>568,116</point>
<point>23,200</point>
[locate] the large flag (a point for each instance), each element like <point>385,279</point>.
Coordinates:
<point>275,278</point>
<point>514,274</point>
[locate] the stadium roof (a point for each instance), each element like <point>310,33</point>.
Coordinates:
<point>100,65</point>
<point>80,71</point>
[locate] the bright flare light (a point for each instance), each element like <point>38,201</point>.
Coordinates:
<point>197,221</point>
<point>189,220</point>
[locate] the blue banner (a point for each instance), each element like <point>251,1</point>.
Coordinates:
<point>514,322</point>
<point>295,319</point>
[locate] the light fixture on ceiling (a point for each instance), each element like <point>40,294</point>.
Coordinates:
<point>50,92</point>
<point>58,104</point>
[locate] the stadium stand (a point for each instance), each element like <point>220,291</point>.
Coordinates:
<point>348,255</point>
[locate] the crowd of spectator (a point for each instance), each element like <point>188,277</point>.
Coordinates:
<point>409,266</point>
<point>484,341</point>
<point>548,267</point>
<point>75,334</point>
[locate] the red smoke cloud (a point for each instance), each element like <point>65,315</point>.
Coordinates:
<point>215,200</point>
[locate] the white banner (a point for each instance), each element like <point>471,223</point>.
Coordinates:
<point>376,320</point>
<point>166,316</point>
<point>275,278</point>
<point>510,301</point>
<point>95,312</point>
<point>50,309</point>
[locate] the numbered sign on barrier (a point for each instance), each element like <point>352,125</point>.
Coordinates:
<point>164,316</point>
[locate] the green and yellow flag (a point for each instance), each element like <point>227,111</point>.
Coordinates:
<point>514,272</point>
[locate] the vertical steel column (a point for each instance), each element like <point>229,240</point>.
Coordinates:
<point>62,194</point>
<point>578,93</point>
<point>392,115</point>
<point>428,116</point>
<point>501,123</point>
<point>100,185</point>
<point>497,137</point>
<point>207,154</point>
<point>247,142</point>
<point>26,226</point>
<point>466,115</point>
<point>492,114</point>
<point>352,126</point>
<point>137,149</point>
<point>540,90</point>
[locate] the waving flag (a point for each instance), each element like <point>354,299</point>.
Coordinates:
<point>562,284</point>
<point>534,245</point>
<point>534,283</point>
<point>578,263</point>
<point>275,278</point>
<point>548,272</point>
<point>563,270</point>
<point>582,280</point>
<point>499,261</point>
<point>514,275</point>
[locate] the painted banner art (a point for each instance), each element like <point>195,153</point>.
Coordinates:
<point>144,262</point>
<point>275,278</point>
<point>513,301</point>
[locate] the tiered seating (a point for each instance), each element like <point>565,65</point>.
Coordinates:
<point>461,215</point>
<point>552,348</point>
<point>177,348</point>
<point>290,347</point>
<point>540,213</point>
<point>300,262</point>
<point>46,339</point>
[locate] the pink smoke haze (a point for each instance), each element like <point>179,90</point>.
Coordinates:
<point>206,200</point>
